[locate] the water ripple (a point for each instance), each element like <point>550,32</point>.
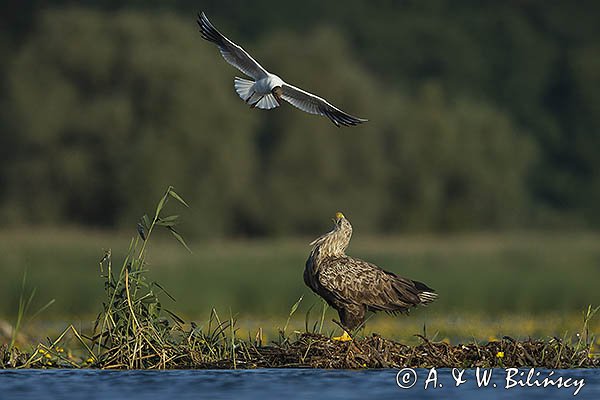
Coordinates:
<point>271,383</point>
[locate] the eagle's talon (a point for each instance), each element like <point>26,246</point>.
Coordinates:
<point>344,338</point>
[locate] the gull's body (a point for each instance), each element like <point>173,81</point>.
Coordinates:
<point>260,93</point>
<point>266,90</point>
<point>267,84</point>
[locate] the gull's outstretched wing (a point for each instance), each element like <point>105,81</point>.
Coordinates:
<point>316,105</point>
<point>231,52</point>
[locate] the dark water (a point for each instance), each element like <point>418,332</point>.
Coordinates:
<point>287,384</point>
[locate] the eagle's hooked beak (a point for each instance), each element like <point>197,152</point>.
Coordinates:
<point>338,217</point>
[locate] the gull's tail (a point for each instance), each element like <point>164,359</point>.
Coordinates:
<point>245,89</point>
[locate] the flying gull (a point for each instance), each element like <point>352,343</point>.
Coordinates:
<point>266,90</point>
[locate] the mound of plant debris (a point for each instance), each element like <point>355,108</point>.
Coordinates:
<point>317,351</point>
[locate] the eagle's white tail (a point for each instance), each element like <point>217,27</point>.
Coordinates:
<point>427,297</point>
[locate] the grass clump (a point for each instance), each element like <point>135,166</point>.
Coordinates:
<point>133,330</point>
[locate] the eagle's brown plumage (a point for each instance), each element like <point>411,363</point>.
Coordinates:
<point>354,286</point>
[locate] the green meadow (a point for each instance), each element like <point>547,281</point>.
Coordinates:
<point>490,285</point>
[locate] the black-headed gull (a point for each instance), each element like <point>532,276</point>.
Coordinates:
<point>266,90</point>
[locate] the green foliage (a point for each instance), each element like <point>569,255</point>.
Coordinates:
<point>132,327</point>
<point>485,186</point>
<point>120,105</point>
<point>481,117</point>
<point>133,330</point>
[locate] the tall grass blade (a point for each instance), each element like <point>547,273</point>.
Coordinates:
<point>179,238</point>
<point>178,197</point>
<point>292,311</point>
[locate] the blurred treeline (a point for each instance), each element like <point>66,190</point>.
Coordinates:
<point>483,115</point>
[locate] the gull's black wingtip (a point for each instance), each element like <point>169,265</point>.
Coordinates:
<point>200,19</point>
<point>343,119</point>
<point>203,21</point>
<point>200,16</point>
<point>207,30</point>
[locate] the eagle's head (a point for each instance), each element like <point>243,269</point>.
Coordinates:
<point>335,242</point>
<point>341,223</point>
<point>343,229</point>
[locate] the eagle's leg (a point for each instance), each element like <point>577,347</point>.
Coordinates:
<point>351,316</point>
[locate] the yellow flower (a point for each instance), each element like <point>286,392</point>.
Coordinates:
<point>42,351</point>
<point>500,354</point>
<point>48,355</point>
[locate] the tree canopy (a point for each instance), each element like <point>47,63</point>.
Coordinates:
<point>482,116</point>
